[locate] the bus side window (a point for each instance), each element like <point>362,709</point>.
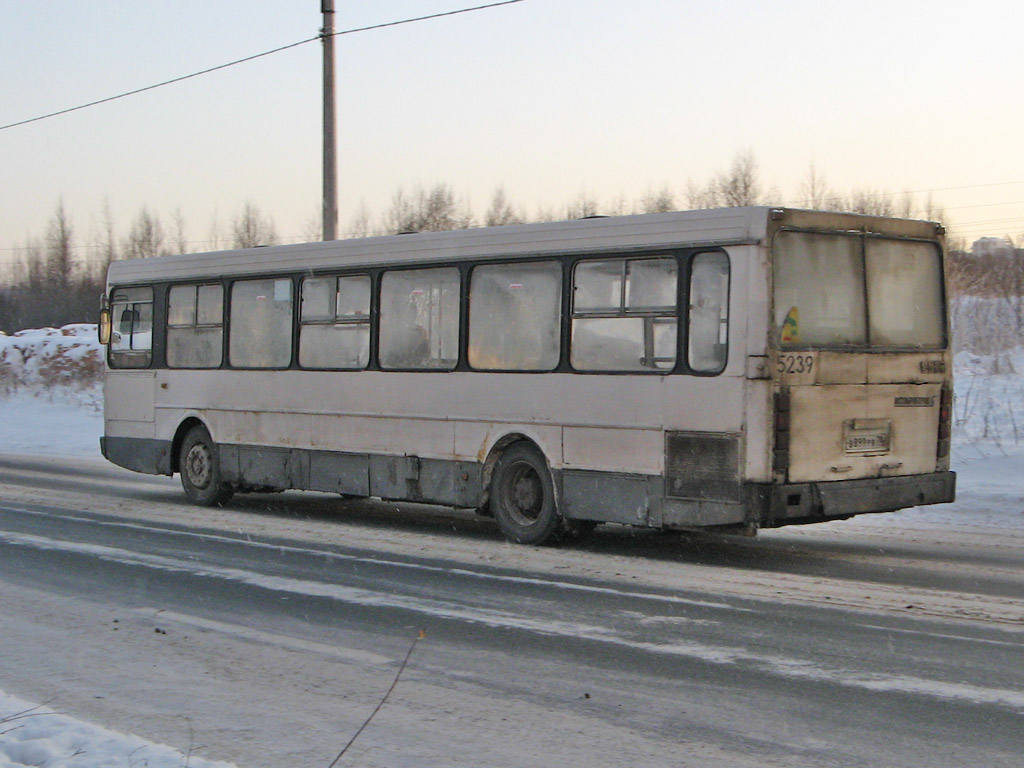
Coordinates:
<point>419,319</point>
<point>128,319</point>
<point>514,317</point>
<point>261,323</point>
<point>334,322</point>
<point>195,326</point>
<point>131,342</point>
<point>709,312</point>
<point>624,315</point>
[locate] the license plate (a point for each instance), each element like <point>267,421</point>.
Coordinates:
<point>867,436</point>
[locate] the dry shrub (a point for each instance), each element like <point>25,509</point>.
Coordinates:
<point>81,371</point>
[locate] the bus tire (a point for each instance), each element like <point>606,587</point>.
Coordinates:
<point>199,467</point>
<point>523,496</point>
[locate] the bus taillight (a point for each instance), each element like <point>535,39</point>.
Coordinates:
<point>780,457</point>
<point>945,420</point>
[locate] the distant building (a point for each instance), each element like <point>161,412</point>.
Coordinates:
<point>992,246</point>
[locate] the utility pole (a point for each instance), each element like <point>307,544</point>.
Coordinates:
<point>330,209</point>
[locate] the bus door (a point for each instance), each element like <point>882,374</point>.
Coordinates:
<point>129,383</point>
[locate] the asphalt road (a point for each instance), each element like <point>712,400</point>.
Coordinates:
<point>267,632</point>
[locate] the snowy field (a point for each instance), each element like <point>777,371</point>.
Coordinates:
<point>51,403</point>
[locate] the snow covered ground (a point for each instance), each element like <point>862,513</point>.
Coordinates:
<point>51,403</point>
<point>33,735</point>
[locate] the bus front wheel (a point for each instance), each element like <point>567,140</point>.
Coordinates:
<point>199,466</point>
<point>523,496</point>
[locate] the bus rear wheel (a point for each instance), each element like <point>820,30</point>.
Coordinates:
<point>199,466</point>
<point>523,496</point>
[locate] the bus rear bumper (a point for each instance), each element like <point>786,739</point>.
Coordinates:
<point>813,502</point>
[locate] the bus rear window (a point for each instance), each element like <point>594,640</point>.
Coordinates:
<point>905,294</point>
<point>839,290</point>
<point>819,290</point>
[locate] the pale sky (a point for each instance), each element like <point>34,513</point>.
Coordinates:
<point>550,98</point>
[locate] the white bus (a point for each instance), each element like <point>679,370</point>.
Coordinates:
<point>730,369</point>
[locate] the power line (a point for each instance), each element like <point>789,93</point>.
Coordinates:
<point>982,205</point>
<point>841,198</point>
<point>156,85</point>
<point>988,227</point>
<point>251,58</point>
<point>425,18</point>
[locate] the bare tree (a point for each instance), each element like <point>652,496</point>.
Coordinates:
<point>252,227</point>
<point>401,216</point>
<point>53,291</point>
<point>740,185</point>
<point>359,225</point>
<point>34,267</point>
<point>870,202</point>
<point>583,206</point>
<point>660,201</point>
<point>433,210</point>
<point>59,259</point>
<point>618,205</point>
<point>903,205</point>
<point>437,209</point>
<point>107,241</point>
<point>181,244</point>
<point>439,212</point>
<point>215,237</point>
<point>25,303</point>
<point>313,229</point>
<point>146,238</point>
<point>814,190</point>
<point>501,211</point>
<point>1008,282</point>
<point>933,210</point>
<point>699,197</point>
<point>545,213</point>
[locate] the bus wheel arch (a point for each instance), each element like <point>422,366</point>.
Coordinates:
<point>487,473</point>
<point>522,494</point>
<point>184,428</point>
<point>198,464</point>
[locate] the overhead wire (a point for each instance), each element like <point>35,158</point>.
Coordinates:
<point>252,58</point>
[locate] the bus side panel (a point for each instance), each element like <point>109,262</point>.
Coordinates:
<point>129,440</point>
<point>131,395</point>
<point>753,338</point>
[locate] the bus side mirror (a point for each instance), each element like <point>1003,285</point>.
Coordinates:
<point>104,326</point>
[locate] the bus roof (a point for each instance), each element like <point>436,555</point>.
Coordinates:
<point>718,226</point>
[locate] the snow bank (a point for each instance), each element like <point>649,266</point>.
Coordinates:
<point>32,735</point>
<point>43,359</point>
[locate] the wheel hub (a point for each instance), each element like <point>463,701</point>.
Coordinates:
<point>526,493</point>
<point>197,464</point>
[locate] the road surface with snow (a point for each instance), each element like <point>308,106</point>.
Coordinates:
<point>265,633</point>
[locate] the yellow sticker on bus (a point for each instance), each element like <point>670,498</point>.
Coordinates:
<point>791,327</point>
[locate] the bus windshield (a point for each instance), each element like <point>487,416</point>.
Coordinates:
<point>852,290</point>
